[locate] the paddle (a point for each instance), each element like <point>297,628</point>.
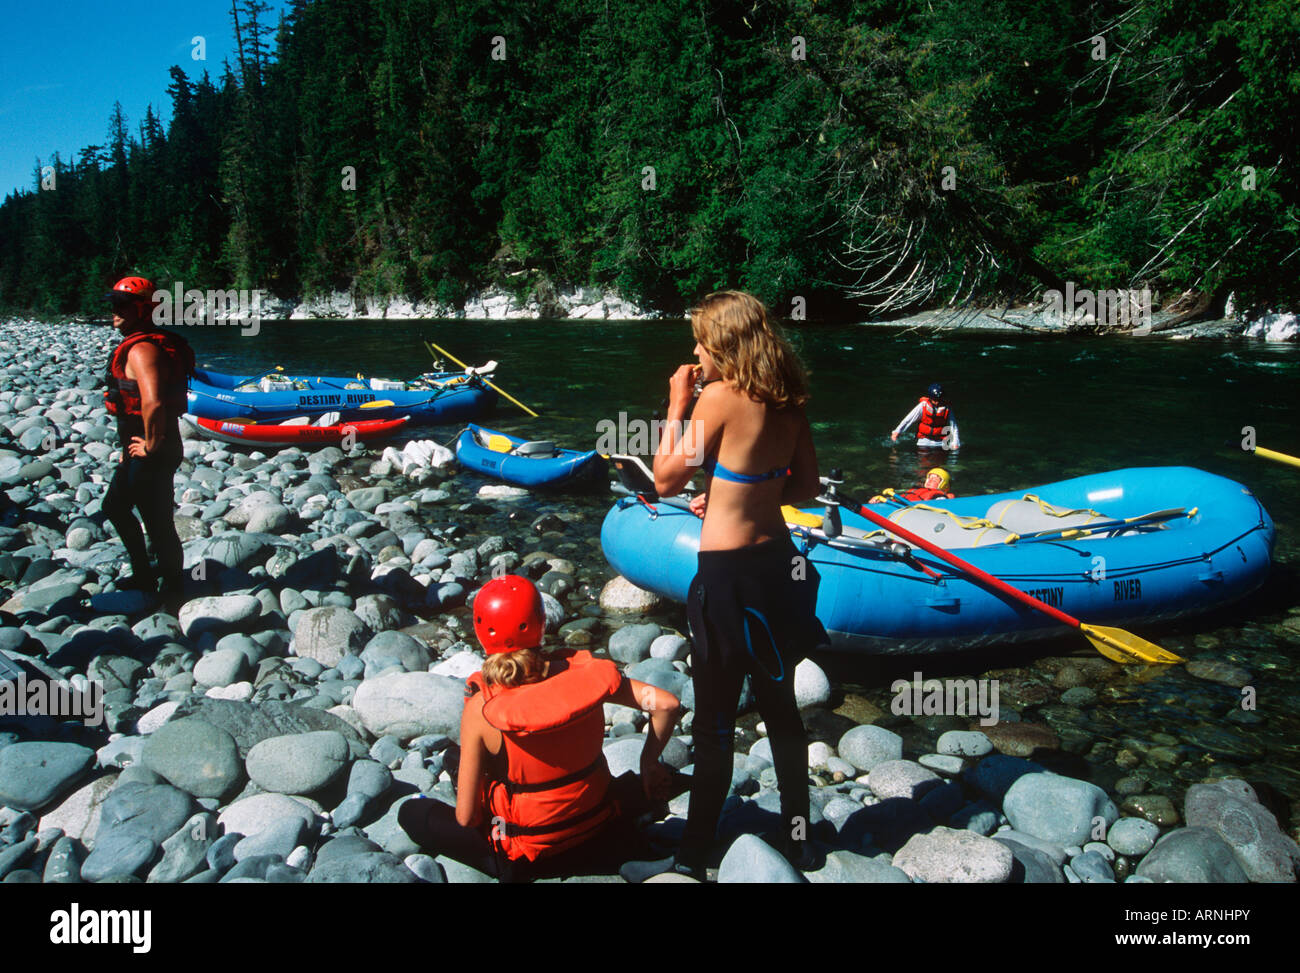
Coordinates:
<point>1113,643</point>
<point>377,404</point>
<point>1276,456</point>
<point>1083,530</point>
<point>435,350</point>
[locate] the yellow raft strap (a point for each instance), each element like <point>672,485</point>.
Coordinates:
<point>1053,511</point>
<point>981,524</point>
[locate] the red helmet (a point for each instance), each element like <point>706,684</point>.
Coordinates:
<point>508,615</point>
<point>140,288</point>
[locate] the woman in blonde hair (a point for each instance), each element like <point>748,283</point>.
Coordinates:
<point>752,603</point>
<point>534,794</point>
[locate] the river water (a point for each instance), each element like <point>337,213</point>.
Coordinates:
<point>1031,409</point>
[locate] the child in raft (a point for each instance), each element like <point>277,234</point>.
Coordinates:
<point>935,487</point>
<point>534,795</point>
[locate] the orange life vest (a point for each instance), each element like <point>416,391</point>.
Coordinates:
<point>934,420</point>
<point>555,794</point>
<point>122,396</point>
<point>924,493</point>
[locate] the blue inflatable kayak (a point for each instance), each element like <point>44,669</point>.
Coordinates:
<point>1193,542</point>
<point>523,463</point>
<point>432,398</point>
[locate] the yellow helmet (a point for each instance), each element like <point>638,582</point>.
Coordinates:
<point>942,474</point>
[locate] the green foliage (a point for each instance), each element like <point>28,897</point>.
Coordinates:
<point>896,153</point>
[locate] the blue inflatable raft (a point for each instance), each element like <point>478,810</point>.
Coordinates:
<point>522,463</point>
<point>1193,542</point>
<point>433,398</point>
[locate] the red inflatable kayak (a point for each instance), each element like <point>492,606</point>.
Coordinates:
<point>295,433</point>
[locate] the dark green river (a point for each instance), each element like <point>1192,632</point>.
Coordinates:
<point>1030,410</point>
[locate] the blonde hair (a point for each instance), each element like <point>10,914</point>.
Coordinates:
<point>750,351</point>
<point>510,669</point>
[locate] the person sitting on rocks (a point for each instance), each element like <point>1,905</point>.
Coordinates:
<point>534,794</point>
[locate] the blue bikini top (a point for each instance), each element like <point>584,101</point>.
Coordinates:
<point>714,468</point>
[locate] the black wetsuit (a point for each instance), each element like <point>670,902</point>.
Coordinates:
<point>752,610</point>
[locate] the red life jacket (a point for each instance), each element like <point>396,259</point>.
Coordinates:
<point>122,396</point>
<point>925,493</point>
<point>555,794</point>
<point>934,420</point>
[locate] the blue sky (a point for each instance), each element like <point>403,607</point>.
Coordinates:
<point>64,64</point>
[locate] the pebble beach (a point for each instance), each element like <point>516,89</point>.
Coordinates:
<point>312,682</point>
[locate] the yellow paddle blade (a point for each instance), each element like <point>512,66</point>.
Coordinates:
<point>1125,647</point>
<point>793,515</point>
<point>377,404</point>
<point>499,443</point>
<point>1275,455</point>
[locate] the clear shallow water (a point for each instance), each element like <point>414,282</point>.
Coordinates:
<point>1030,409</point>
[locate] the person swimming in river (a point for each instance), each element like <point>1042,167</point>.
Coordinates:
<point>937,427</point>
<point>935,487</point>
<point>752,603</point>
<point>534,795</point>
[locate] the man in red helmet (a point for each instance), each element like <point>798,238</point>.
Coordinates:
<point>147,379</point>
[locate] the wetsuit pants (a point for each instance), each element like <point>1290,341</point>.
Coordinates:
<point>432,825</point>
<point>146,485</point>
<point>752,611</point>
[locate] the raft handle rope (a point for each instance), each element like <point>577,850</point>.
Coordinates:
<point>981,524</point>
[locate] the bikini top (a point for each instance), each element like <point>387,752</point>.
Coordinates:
<point>714,468</point>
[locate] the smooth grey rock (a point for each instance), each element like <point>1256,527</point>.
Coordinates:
<point>152,810</point>
<point>752,860</point>
<point>811,687</point>
<point>120,852</point>
<point>1191,855</point>
<point>964,743</point>
<point>252,815</point>
<point>192,754</point>
<point>1132,836</point>
<point>34,774</point>
<point>218,613</point>
<point>410,704</point>
<point>368,868</point>
<point>63,867</point>
<point>901,778</point>
<point>946,855</point>
<point>1036,867</point>
<point>867,746</point>
<point>844,867</point>
<point>631,643</point>
<point>185,852</point>
<point>1058,809</point>
<point>279,839</point>
<point>300,763</point>
<point>994,775</point>
<point>221,668</point>
<point>328,633</point>
<point>1231,808</point>
<point>389,648</point>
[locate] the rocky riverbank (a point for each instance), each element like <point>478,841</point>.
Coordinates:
<point>311,683</point>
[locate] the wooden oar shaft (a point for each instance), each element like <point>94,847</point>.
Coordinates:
<point>1278,457</point>
<point>967,568</point>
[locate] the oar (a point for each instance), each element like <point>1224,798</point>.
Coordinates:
<point>1279,457</point>
<point>1113,643</point>
<point>442,351</point>
<point>1083,530</point>
<point>377,404</point>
